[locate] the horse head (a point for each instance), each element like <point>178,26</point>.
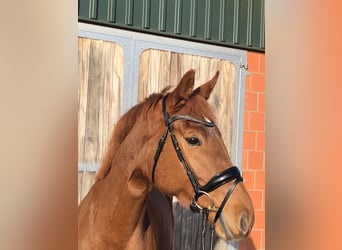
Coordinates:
<point>192,163</point>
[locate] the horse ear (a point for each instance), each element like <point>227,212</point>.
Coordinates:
<point>183,90</point>
<point>206,88</point>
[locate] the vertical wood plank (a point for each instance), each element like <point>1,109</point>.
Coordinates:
<point>92,115</point>
<point>100,93</point>
<point>80,176</point>
<point>83,52</point>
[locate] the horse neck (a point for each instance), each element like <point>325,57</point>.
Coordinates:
<point>114,207</point>
<point>124,192</point>
<point>111,213</point>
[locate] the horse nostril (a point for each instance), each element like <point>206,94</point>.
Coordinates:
<point>244,225</point>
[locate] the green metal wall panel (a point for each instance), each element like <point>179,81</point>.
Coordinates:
<point>232,23</point>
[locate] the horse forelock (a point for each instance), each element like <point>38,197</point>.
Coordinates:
<point>200,108</point>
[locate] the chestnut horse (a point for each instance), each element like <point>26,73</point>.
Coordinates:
<point>129,206</point>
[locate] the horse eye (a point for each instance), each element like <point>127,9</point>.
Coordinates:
<point>193,141</point>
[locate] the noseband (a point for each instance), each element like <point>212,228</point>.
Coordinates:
<point>215,182</point>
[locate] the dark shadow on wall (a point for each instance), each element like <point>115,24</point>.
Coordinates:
<point>247,244</point>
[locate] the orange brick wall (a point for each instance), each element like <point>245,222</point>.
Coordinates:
<point>253,155</point>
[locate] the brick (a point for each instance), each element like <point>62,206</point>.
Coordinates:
<point>262,243</point>
<point>249,179</point>
<point>256,121</point>
<point>262,63</point>
<point>256,160</point>
<point>253,61</point>
<point>242,245</point>
<point>251,101</point>
<point>246,120</point>
<point>261,102</point>
<point>253,241</point>
<point>258,82</point>
<point>248,83</point>
<point>257,198</point>
<point>244,160</point>
<point>260,141</point>
<point>259,220</point>
<point>260,180</point>
<point>248,244</point>
<point>249,140</point>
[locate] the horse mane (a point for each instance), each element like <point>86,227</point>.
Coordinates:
<point>122,129</point>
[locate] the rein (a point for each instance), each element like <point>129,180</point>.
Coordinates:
<point>227,175</point>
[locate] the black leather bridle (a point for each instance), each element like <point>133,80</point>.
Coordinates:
<point>227,175</point>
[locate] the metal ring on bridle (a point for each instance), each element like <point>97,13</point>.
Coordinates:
<point>211,207</point>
